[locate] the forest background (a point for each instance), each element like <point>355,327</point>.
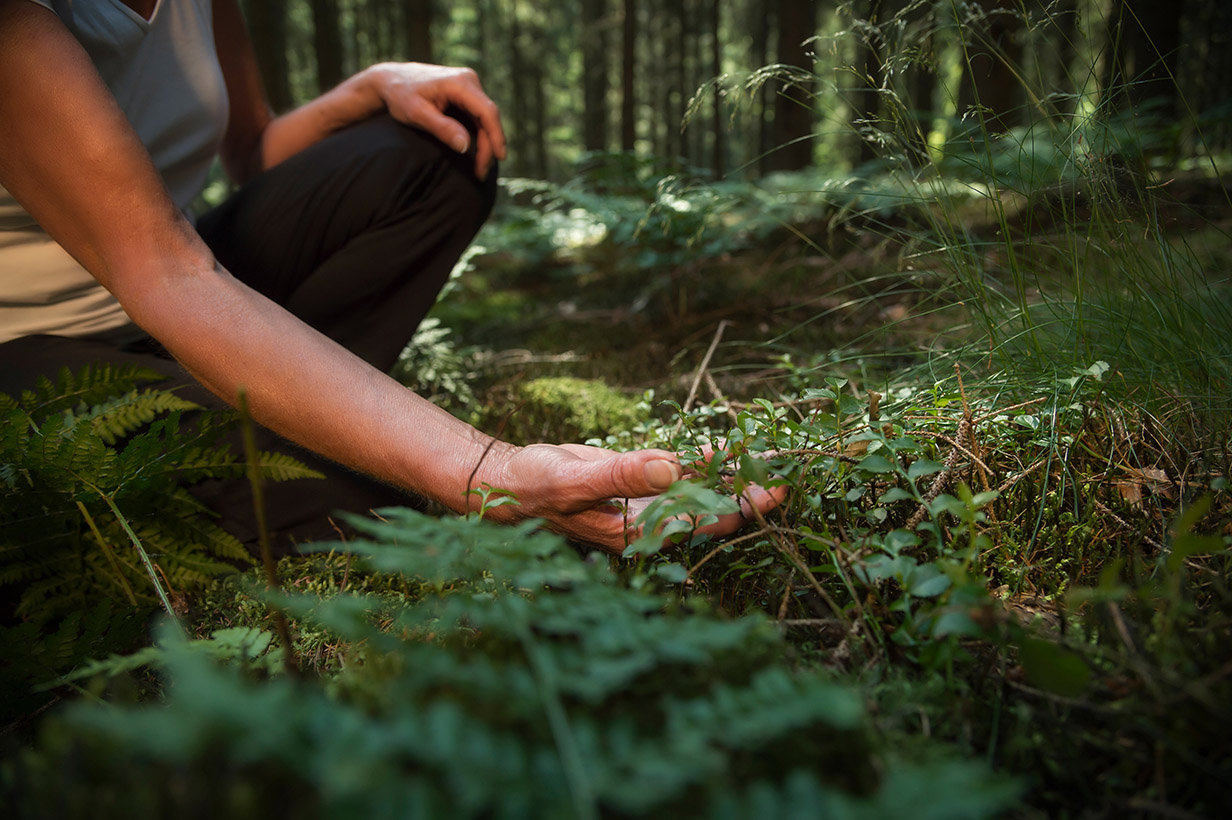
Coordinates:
<point>955,272</point>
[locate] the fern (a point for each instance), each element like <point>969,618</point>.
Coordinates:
<point>541,688</point>
<point>89,386</point>
<point>90,457</point>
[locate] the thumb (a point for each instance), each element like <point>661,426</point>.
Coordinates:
<point>633,475</point>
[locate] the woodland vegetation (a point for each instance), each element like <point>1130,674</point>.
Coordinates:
<point>955,272</point>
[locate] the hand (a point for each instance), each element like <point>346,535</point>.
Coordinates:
<point>582,491</point>
<point>418,94</point>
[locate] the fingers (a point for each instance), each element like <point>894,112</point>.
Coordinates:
<point>596,495</point>
<point>423,114</point>
<point>469,96</point>
<point>631,475</point>
<point>419,95</point>
<point>466,93</point>
<point>483,155</point>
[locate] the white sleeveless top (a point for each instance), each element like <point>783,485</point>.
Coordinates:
<point>164,73</point>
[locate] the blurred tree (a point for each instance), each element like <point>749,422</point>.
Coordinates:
<point>718,158</point>
<point>761,24</point>
<point>1146,36</point>
<point>327,39</point>
<point>993,57</point>
<point>417,30</point>
<point>628,76</point>
<point>1206,38</point>
<point>267,25</point>
<point>868,97</point>
<point>553,66</point>
<point>594,74</point>
<point>793,106</point>
<point>673,34</point>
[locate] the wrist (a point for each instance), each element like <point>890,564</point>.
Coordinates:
<point>356,98</point>
<point>494,475</point>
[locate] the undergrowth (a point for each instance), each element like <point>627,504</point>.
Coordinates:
<point>97,524</point>
<point>521,681</point>
<point>993,370</point>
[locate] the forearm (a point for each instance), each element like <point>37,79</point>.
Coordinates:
<point>306,387</point>
<point>353,100</point>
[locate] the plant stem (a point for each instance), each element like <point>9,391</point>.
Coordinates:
<point>267,553</point>
<point>570,757</point>
<point>106,548</point>
<point>149,565</point>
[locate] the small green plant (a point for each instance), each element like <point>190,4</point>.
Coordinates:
<point>95,514</point>
<point>530,683</point>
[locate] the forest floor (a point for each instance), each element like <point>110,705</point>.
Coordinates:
<point>1000,585</point>
<point>1088,547</point>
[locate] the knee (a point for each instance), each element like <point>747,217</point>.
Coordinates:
<point>423,175</point>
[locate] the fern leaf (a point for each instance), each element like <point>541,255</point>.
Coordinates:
<point>282,467</point>
<point>90,385</point>
<point>117,417</point>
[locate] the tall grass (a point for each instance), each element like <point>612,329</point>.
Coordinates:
<point>1060,237</point>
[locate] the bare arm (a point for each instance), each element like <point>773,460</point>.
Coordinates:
<point>79,169</point>
<point>413,93</point>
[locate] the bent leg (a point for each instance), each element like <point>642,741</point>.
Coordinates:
<point>356,234</point>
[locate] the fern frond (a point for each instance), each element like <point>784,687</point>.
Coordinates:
<point>165,451</point>
<point>31,570</point>
<point>57,595</point>
<point>93,446</point>
<point>206,535</point>
<point>116,418</point>
<point>282,467</point>
<point>92,384</point>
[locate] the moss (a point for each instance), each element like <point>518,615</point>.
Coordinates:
<point>562,409</point>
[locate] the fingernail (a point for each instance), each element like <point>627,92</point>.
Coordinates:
<point>461,144</point>
<point>661,474</point>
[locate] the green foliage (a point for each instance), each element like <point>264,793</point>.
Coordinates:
<point>95,508</point>
<point>563,409</point>
<point>1028,561</point>
<point>433,366</point>
<point>76,451</point>
<point>532,684</point>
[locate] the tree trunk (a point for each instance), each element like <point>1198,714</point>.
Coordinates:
<point>418,30</point>
<point>793,111</point>
<point>691,44</point>
<point>673,92</point>
<point>760,26</point>
<point>327,40</point>
<point>267,25</point>
<point>594,75</point>
<point>628,59</point>
<point>1206,73</point>
<point>1150,40</point>
<point>520,120</point>
<point>540,155</point>
<point>868,100</point>
<point>719,148</point>
<point>993,55</point>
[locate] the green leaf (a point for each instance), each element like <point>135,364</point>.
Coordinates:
<point>239,642</point>
<point>1053,668</point>
<point>922,467</point>
<point>926,581</point>
<point>1186,543</point>
<point>898,540</point>
<point>876,464</point>
<point>895,494</point>
<point>672,573</point>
